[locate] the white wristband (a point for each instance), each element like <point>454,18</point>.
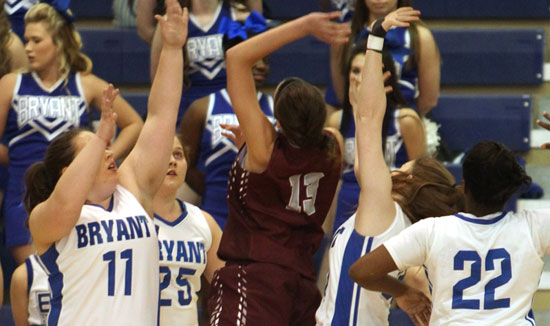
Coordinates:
<point>375,43</point>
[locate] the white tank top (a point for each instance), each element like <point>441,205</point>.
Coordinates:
<point>183,245</point>
<point>344,301</point>
<point>105,272</point>
<point>38,291</point>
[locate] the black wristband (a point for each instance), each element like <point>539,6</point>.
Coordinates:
<point>377,29</point>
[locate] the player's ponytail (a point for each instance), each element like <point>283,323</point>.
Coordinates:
<point>300,109</point>
<point>428,190</point>
<point>41,177</point>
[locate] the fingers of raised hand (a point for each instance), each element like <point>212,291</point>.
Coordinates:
<point>173,8</point>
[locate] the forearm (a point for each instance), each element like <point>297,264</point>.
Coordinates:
<point>126,140</point>
<point>165,94</point>
<point>249,52</point>
<point>73,186</point>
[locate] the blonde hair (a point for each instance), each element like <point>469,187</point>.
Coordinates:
<point>5,37</point>
<point>64,36</point>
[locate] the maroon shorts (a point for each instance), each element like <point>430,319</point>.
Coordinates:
<point>261,294</point>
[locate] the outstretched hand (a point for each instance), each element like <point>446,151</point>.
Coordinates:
<point>546,126</point>
<point>400,18</point>
<point>322,27</point>
<point>417,306</point>
<point>174,25</point>
<point>234,133</point>
<point>107,122</point>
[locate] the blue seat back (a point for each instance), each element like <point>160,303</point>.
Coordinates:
<point>486,9</point>
<point>497,57</point>
<point>468,119</point>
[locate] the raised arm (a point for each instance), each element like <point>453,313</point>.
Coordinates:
<point>376,208</point>
<point>429,71</point>
<point>54,218</point>
<point>128,121</point>
<point>258,131</point>
<point>191,128</point>
<point>143,171</point>
<point>144,19</point>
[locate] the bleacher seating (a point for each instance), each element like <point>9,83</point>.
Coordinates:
<point>307,58</point>
<point>100,9</point>
<point>289,9</point>
<point>118,54</point>
<point>468,119</point>
<point>138,100</point>
<point>6,317</point>
<point>485,9</point>
<point>497,57</point>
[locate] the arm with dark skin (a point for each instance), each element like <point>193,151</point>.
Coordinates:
<point>191,128</point>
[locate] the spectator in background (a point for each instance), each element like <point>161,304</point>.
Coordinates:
<point>403,137</point>
<point>12,51</point>
<point>413,49</point>
<point>16,10</point>
<point>58,75</point>
<point>210,153</point>
<point>147,8</point>
<point>205,71</point>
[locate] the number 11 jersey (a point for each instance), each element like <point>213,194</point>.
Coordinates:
<point>105,272</point>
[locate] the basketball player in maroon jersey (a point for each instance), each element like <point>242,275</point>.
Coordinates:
<point>281,186</point>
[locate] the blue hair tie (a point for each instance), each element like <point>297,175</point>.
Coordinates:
<point>255,23</point>
<point>62,7</point>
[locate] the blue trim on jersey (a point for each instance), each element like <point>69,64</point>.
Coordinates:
<point>530,317</point>
<point>30,275</point>
<point>343,300</point>
<point>179,219</point>
<point>481,221</point>
<point>55,278</point>
<point>111,204</point>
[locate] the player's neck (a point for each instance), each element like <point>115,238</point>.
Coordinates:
<point>204,7</point>
<point>480,210</point>
<point>166,206</point>
<point>49,75</point>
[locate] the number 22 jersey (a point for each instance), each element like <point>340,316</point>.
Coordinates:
<point>105,272</point>
<point>482,270</point>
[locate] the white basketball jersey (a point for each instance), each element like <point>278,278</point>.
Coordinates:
<point>344,301</point>
<point>482,270</point>
<point>183,245</point>
<point>105,272</point>
<point>38,291</point>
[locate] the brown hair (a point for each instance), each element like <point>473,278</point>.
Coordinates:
<point>300,109</point>
<point>41,177</point>
<point>428,190</point>
<point>5,37</point>
<point>64,36</point>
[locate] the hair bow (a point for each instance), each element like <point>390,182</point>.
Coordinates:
<point>62,7</point>
<point>254,24</point>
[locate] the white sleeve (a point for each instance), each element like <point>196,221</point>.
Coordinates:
<point>539,221</point>
<point>411,246</point>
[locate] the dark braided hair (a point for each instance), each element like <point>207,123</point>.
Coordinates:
<point>492,174</point>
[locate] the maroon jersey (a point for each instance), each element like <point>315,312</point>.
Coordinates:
<point>276,216</point>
